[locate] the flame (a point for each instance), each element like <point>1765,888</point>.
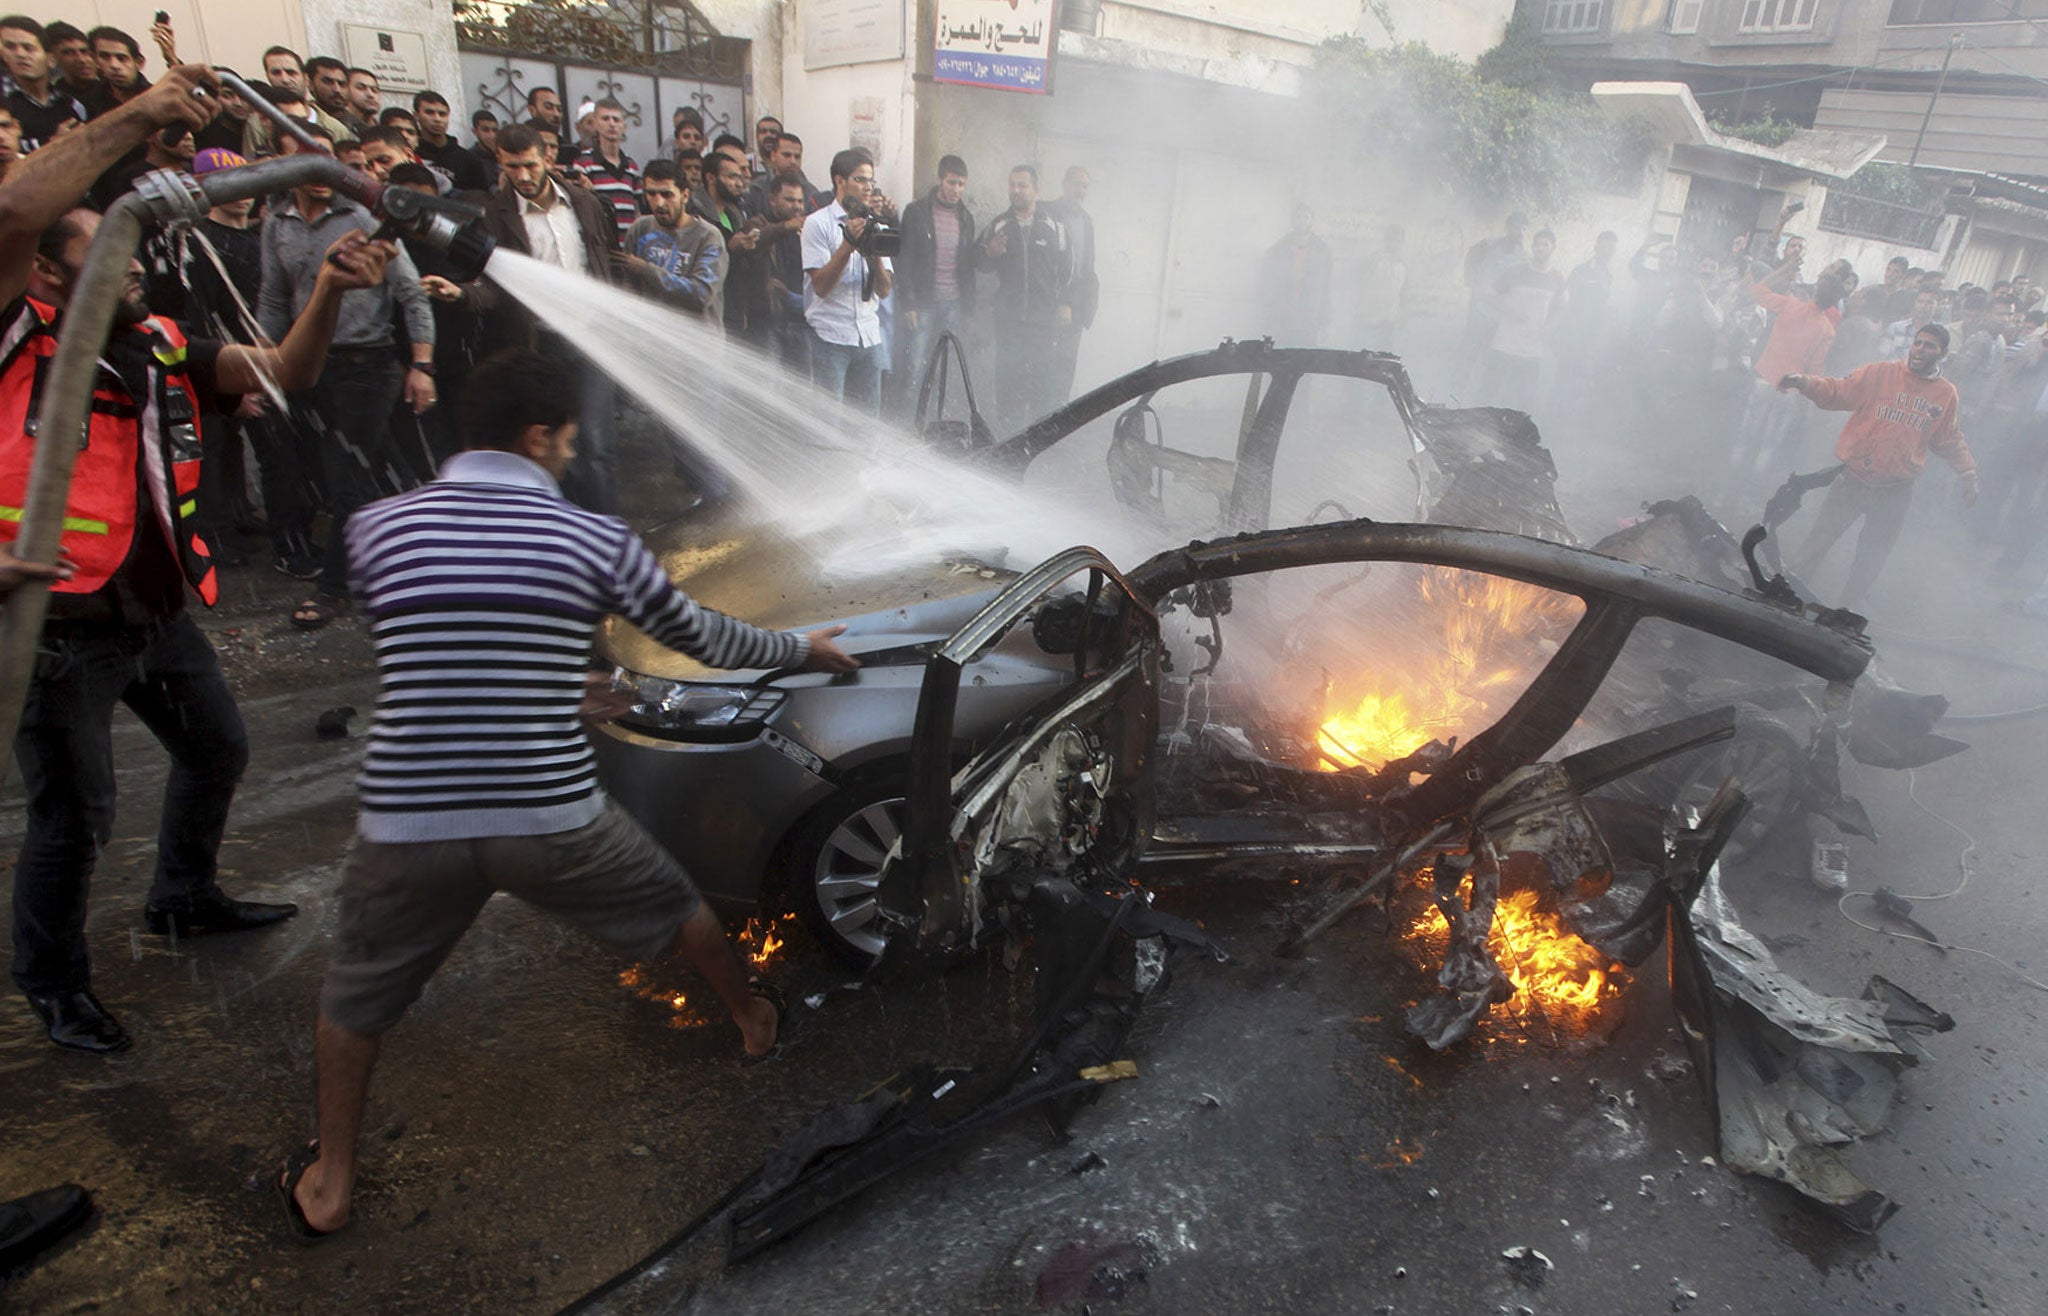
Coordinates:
<point>1400,1152</point>
<point>1449,694</point>
<point>1559,979</point>
<point>757,942</point>
<point>640,980</point>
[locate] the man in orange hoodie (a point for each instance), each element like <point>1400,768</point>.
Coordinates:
<point>1902,411</point>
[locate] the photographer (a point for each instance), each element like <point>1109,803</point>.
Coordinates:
<point>845,279</point>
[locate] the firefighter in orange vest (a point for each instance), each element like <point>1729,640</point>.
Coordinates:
<point>118,631</point>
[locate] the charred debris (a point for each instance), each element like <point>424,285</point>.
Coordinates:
<point>1740,704</point>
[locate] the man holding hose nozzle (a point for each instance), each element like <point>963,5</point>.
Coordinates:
<point>117,629</point>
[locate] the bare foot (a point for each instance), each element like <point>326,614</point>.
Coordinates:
<point>758,1025</point>
<point>324,1209</point>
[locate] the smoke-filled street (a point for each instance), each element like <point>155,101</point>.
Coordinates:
<point>1284,1146</point>
<point>1380,658</point>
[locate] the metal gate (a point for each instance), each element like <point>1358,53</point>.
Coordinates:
<point>653,56</point>
<point>1716,213</point>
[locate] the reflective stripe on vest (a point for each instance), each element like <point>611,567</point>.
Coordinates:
<point>76,524</point>
<point>157,432</point>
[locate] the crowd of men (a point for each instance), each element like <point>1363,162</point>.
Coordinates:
<point>727,230</point>
<point>1718,363</point>
<point>280,328</point>
<point>482,583</point>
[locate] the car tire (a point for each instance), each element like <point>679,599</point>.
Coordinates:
<point>836,866</point>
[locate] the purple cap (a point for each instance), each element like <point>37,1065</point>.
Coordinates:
<point>215,157</point>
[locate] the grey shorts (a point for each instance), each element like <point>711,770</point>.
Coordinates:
<point>404,906</point>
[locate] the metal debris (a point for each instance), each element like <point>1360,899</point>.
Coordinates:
<point>1527,1265</point>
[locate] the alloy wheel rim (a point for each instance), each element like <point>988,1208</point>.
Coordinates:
<point>849,872</point>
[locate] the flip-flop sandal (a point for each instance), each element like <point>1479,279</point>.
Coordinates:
<point>295,1167</point>
<point>772,994</point>
<point>318,612</point>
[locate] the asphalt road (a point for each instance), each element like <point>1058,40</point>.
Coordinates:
<point>536,1127</point>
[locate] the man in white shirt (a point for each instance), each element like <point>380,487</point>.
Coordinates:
<point>843,289</point>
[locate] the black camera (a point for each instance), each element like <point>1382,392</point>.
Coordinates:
<point>877,238</point>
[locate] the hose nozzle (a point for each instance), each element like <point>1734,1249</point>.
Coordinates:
<point>453,227</point>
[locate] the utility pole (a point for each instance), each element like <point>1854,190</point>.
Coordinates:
<point>1955,40</point>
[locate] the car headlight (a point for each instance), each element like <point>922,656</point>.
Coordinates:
<point>695,710</point>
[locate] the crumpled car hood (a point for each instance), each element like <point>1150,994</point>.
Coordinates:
<point>727,558</point>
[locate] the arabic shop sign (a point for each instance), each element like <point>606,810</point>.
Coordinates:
<point>1006,44</point>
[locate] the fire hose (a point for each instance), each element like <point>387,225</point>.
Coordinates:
<point>162,197</point>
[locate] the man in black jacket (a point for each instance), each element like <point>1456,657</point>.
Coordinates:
<point>934,271</point>
<point>1033,263</point>
<point>565,226</point>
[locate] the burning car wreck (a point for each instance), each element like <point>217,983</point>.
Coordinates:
<point>1546,752</point>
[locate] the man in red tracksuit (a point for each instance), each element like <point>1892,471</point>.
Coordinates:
<point>1902,411</point>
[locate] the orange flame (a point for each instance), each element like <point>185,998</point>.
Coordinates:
<point>1559,979</point>
<point>758,943</point>
<point>1450,694</point>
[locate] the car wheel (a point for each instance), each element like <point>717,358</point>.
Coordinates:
<point>837,866</point>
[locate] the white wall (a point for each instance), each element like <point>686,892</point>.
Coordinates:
<point>1465,28</point>
<point>1227,28</point>
<point>761,22</point>
<point>230,32</point>
<point>433,19</point>
<point>819,105</point>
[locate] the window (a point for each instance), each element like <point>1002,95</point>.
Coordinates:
<point>1572,16</point>
<point>1685,17</point>
<point>1907,13</point>
<point>1777,15</point>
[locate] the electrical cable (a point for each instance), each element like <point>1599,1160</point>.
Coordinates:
<point>2014,10</point>
<point>1962,884</point>
<point>2014,69</point>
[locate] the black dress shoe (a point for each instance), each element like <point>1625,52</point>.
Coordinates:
<point>77,1020</point>
<point>29,1225</point>
<point>214,911</point>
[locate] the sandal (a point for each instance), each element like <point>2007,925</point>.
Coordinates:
<point>299,566</point>
<point>295,1167</point>
<point>316,612</point>
<point>772,994</point>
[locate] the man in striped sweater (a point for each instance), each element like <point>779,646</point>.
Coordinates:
<point>484,591</point>
<point>612,174</point>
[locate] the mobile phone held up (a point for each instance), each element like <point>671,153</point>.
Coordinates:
<point>163,16</point>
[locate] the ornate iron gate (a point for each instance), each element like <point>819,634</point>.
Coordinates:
<point>654,56</point>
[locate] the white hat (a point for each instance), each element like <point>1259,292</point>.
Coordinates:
<point>585,110</point>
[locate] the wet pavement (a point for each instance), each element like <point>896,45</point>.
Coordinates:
<point>536,1127</point>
